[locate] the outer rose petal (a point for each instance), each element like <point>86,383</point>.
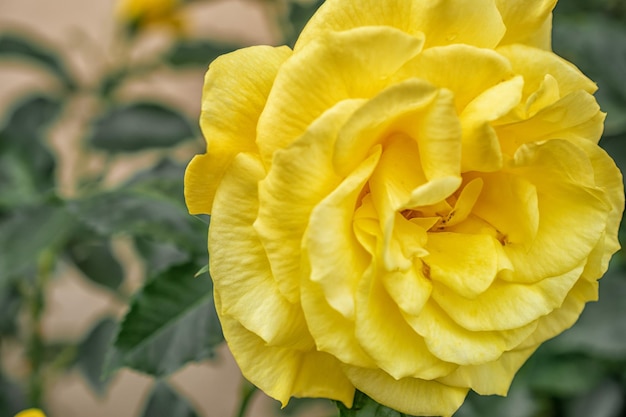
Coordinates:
<point>300,177</point>
<point>473,22</point>
<point>235,90</point>
<point>353,64</point>
<point>491,377</point>
<point>527,22</point>
<point>407,395</point>
<point>248,291</point>
<point>282,372</point>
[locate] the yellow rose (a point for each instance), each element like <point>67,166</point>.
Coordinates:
<point>408,203</point>
<point>149,12</point>
<point>31,412</point>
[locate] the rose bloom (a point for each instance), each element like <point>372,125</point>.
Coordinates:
<point>150,12</point>
<point>31,412</point>
<point>408,203</point>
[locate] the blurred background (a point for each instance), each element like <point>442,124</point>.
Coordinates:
<point>99,102</point>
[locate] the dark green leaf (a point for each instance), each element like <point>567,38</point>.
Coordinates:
<point>565,375</point>
<point>24,235</point>
<point>606,400</point>
<point>197,52</point>
<point>520,402</point>
<point>171,322</point>
<point>12,399</point>
<point>159,256</point>
<point>92,354</point>
<point>26,164</point>
<point>139,126</point>
<point>141,214</point>
<point>95,260</point>
<point>299,15</point>
<point>19,46</point>
<point>165,402</point>
<point>592,43</point>
<point>364,406</point>
<point>599,331</point>
<point>166,178</point>
<point>10,305</point>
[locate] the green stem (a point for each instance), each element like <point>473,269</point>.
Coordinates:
<point>247,392</point>
<point>35,343</point>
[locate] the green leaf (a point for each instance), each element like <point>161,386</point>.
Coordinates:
<point>19,46</point>
<point>141,214</point>
<point>165,402</point>
<point>188,52</point>
<point>25,234</point>
<point>140,126</point>
<point>171,322</point>
<point>592,41</point>
<point>10,305</point>
<point>599,332</point>
<point>92,354</point>
<point>606,400</point>
<point>160,256</point>
<point>563,375</point>
<point>299,15</point>
<point>520,402</point>
<point>166,178</point>
<point>95,259</point>
<point>26,164</point>
<point>364,406</point>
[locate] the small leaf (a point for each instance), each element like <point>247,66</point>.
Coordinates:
<point>171,322</point>
<point>166,178</point>
<point>159,256</point>
<point>92,354</point>
<point>140,126</point>
<point>141,214</point>
<point>14,45</point>
<point>165,402</point>
<point>26,164</point>
<point>24,235</point>
<point>364,406</point>
<point>202,271</point>
<point>197,52</point>
<point>94,258</point>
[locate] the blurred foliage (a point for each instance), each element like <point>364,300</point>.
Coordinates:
<point>171,319</point>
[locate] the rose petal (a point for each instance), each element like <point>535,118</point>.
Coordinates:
<point>335,67</point>
<point>411,396</point>
<point>235,90</point>
<point>453,343</point>
<point>526,21</point>
<point>282,372</point>
<point>300,177</point>
<point>239,267</point>
<point>492,377</point>
<point>472,22</point>
<point>379,321</point>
